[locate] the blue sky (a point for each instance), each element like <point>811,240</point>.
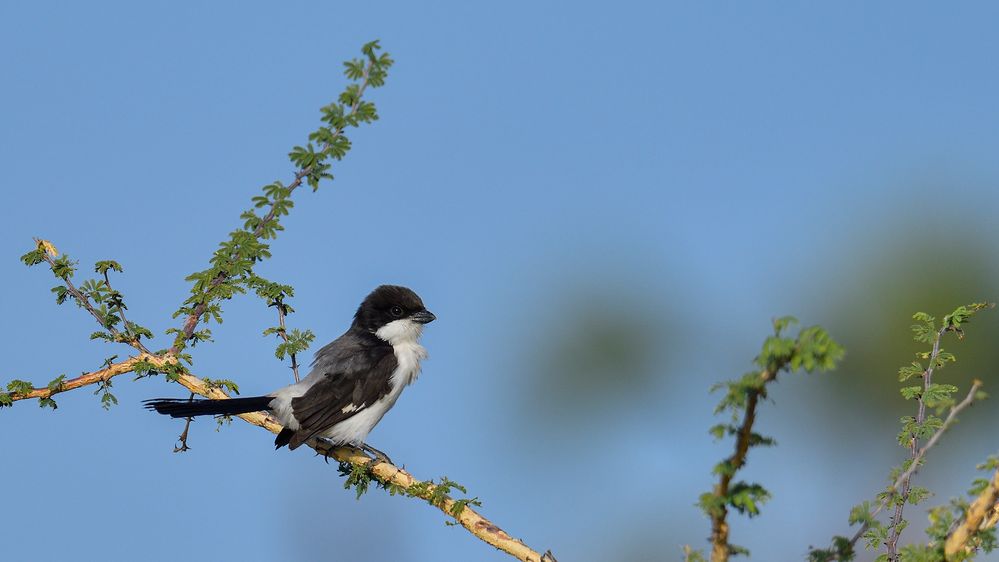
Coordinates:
<point>687,170</point>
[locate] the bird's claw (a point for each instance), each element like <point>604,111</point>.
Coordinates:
<point>380,457</point>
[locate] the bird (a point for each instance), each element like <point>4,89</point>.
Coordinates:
<point>354,380</point>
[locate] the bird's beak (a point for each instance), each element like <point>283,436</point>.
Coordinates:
<point>423,317</point>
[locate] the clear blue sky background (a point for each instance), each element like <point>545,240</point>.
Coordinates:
<point>671,174</point>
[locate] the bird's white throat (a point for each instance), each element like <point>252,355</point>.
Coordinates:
<point>400,331</point>
<point>404,336</point>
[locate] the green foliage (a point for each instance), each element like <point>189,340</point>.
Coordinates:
<point>459,505</point>
<point>14,387</point>
<point>297,342</point>
<point>17,386</point>
<point>172,371</point>
<point>691,555</point>
<point>712,504</point>
<point>294,341</point>
<point>359,478</point>
<point>104,390</point>
<point>746,498</point>
<point>55,385</point>
<point>105,303</point>
<point>222,384</point>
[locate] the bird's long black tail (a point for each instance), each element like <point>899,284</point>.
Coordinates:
<point>182,408</point>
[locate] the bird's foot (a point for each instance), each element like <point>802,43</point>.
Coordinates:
<point>379,456</point>
<point>330,445</point>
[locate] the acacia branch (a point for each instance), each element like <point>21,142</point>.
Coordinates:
<point>192,320</point>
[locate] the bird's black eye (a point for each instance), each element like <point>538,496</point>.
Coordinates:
<point>396,311</point>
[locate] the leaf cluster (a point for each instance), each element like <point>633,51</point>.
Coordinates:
<point>104,302</point>
<point>360,476</point>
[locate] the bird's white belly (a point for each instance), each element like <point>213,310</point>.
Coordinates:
<point>355,429</point>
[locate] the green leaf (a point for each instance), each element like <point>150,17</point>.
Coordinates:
<point>56,383</point>
<point>104,266</point>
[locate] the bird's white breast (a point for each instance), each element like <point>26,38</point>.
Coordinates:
<point>404,336</point>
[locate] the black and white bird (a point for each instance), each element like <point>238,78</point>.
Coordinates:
<point>354,380</point>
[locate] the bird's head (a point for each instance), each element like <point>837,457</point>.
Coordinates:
<point>393,313</point>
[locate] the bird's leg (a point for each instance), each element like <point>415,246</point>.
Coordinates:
<point>330,446</point>
<point>379,456</point>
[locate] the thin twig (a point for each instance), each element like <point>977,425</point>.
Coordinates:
<point>905,479</point>
<point>124,321</point>
<point>84,301</point>
<point>918,459</point>
<point>283,332</point>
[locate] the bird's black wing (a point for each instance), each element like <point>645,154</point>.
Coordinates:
<point>356,372</point>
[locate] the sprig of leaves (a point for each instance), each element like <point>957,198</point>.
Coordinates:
<point>97,296</point>
<point>294,341</point>
<point>812,349</point>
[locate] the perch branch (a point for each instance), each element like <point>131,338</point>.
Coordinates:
<point>384,472</point>
<point>95,377</point>
<point>980,515</point>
